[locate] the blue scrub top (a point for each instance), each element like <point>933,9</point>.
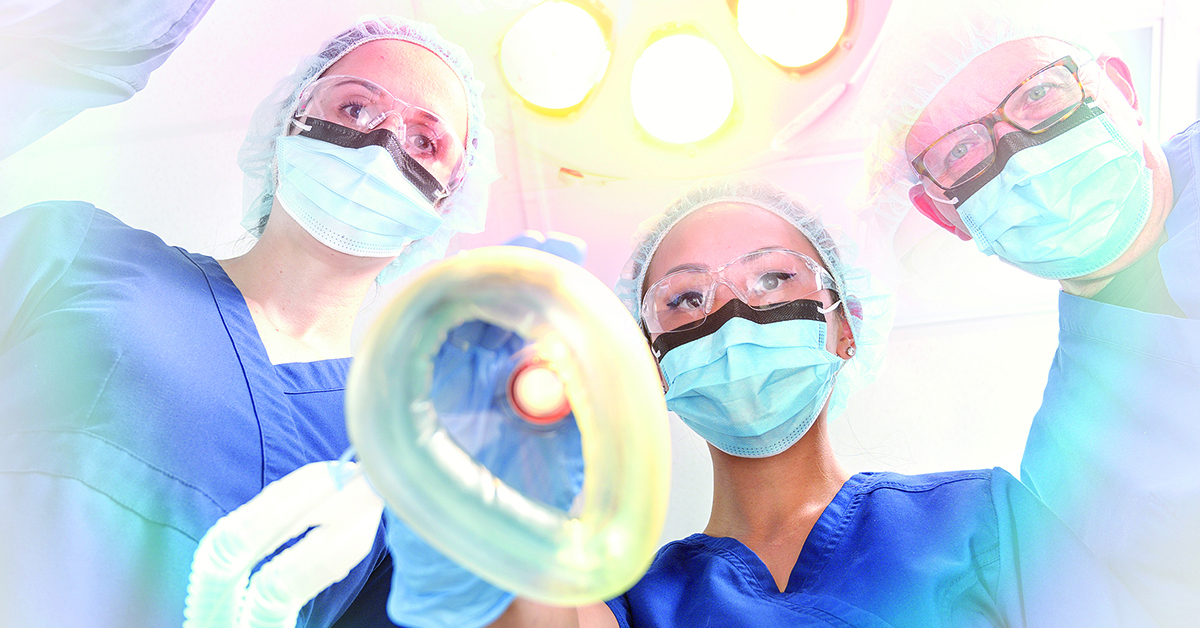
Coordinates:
<point>1113,448</point>
<point>958,549</point>
<point>1180,256</point>
<point>137,406</point>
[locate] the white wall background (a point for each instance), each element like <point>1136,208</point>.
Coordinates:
<point>973,340</point>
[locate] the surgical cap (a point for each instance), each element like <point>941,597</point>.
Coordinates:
<point>869,307</point>
<point>463,211</point>
<point>926,44</point>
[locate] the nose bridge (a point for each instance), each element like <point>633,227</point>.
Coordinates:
<point>999,126</point>
<point>721,292</point>
<point>392,120</point>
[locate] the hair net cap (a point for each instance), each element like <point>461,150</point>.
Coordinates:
<point>869,307</point>
<point>925,45</point>
<point>463,211</point>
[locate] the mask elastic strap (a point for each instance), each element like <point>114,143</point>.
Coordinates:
<point>831,308</point>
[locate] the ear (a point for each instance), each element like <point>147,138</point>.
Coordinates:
<point>920,199</point>
<point>1119,74</point>
<point>845,342</point>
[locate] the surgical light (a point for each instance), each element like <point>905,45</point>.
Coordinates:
<point>554,55</point>
<point>790,33</point>
<point>681,89</point>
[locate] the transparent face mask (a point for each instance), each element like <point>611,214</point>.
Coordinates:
<point>762,279</point>
<point>362,105</point>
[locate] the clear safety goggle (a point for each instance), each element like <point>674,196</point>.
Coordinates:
<point>363,105</point>
<point>1042,100</point>
<point>762,279</point>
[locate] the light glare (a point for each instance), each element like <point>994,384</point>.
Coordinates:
<point>554,55</point>
<point>790,32</point>
<point>681,89</point>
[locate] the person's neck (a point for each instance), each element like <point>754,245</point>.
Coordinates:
<point>771,504</point>
<point>757,497</point>
<point>302,295</point>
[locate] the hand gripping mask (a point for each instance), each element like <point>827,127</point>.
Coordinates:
<point>469,504</point>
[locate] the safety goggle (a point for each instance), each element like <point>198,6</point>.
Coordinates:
<point>363,105</point>
<point>762,279</point>
<point>1045,98</point>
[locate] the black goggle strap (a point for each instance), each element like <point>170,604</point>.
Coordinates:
<point>1016,142</point>
<point>798,310</point>
<point>346,137</point>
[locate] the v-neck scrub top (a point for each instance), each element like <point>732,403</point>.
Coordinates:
<point>957,550</point>
<point>137,406</point>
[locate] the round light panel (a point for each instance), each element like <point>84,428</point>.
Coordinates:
<point>554,55</point>
<point>681,89</point>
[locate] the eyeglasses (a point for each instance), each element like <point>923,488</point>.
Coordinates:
<point>1045,98</point>
<point>762,279</point>
<point>362,105</point>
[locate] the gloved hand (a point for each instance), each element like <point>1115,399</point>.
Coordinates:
<point>470,376</point>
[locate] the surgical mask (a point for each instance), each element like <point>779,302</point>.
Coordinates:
<point>751,389</point>
<point>353,200</point>
<point>1064,208</point>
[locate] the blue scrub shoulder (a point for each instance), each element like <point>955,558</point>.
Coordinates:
<point>890,549</point>
<point>132,375</point>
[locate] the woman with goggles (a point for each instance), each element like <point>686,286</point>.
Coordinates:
<point>149,391</point>
<point>762,328</point>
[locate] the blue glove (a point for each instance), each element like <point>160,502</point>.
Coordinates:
<point>470,377</point>
<point>565,246</point>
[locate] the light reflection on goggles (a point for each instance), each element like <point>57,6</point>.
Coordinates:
<point>362,105</point>
<point>762,279</point>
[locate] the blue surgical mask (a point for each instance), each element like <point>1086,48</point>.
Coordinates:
<point>1064,208</point>
<point>751,389</point>
<point>353,200</point>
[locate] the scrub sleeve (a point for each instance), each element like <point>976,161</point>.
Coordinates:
<point>1113,448</point>
<point>59,57</point>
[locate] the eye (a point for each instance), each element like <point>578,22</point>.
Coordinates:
<point>355,112</point>
<point>772,281</point>
<point>960,150</point>
<point>422,142</point>
<point>690,300</point>
<point>1037,92</point>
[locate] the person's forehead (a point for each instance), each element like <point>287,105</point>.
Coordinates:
<point>715,234</point>
<point>411,73</point>
<point>980,86</point>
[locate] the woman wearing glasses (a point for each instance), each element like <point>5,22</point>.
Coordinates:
<point>761,329</point>
<point>147,391</point>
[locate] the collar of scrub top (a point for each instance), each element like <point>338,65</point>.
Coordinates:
<point>1017,141</point>
<point>346,137</point>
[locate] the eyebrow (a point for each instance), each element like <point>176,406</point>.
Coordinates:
<point>695,266</point>
<point>427,116</point>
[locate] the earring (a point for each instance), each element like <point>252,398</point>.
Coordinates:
<point>850,351</point>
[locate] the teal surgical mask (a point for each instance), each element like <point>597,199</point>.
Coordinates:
<point>353,200</point>
<point>1064,208</point>
<point>751,389</point>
